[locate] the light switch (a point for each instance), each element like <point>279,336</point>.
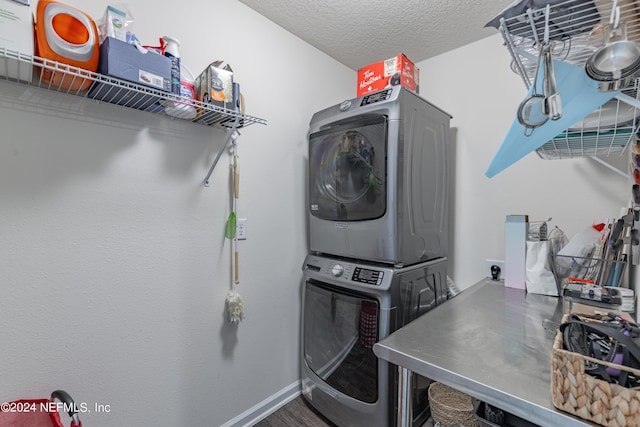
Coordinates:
<point>241,228</point>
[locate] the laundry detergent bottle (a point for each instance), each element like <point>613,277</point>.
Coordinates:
<point>171,51</point>
<point>68,36</point>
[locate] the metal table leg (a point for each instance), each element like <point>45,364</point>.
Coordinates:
<point>405,411</point>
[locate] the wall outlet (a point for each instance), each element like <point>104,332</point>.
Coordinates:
<point>491,262</point>
<point>241,228</point>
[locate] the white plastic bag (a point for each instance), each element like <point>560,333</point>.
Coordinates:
<point>539,277</point>
<point>581,245</point>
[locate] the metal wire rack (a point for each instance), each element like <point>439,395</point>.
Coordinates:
<point>51,75</point>
<point>575,33</point>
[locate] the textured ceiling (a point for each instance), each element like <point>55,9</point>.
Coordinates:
<point>360,32</point>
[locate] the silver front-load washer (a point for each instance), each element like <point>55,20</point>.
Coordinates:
<point>347,307</point>
<point>378,179</point>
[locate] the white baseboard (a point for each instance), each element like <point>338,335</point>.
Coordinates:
<point>265,408</point>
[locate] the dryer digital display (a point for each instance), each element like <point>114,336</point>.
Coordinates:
<point>375,97</point>
<point>363,275</point>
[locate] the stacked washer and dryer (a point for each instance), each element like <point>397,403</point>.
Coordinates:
<point>378,225</point>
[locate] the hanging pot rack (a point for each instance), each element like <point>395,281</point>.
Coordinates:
<point>574,37</point>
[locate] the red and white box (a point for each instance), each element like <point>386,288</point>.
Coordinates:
<point>398,70</point>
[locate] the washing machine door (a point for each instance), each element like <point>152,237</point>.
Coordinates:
<point>340,329</point>
<point>347,170</point>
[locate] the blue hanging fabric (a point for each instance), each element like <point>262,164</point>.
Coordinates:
<point>580,97</point>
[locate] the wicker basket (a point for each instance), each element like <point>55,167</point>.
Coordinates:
<point>578,393</point>
<point>450,406</point>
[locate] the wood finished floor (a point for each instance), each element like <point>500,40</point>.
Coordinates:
<point>299,413</point>
<point>295,413</point>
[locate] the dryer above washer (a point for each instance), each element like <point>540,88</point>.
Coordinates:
<point>378,179</point>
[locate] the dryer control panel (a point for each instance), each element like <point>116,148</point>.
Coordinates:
<point>348,273</point>
<point>365,275</point>
<point>383,95</point>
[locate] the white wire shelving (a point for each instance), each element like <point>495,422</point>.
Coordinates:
<point>45,74</point>
<point>575,33</point>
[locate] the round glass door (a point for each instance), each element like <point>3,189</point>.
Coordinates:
<point>349,174</point>
<point>340,329</point>
<point>347,171</point>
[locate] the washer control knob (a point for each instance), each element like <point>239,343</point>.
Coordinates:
<point>345,105</point>
<point>337,270</point>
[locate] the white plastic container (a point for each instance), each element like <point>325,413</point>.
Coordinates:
<point>184,110</point>
<point>116,23</point>
<point>515,248</point>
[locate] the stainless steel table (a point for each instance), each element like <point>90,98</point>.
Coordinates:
<point>487,342</point>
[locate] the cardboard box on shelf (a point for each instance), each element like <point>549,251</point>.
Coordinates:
<point>214,85</point>
<point>16,34</point>
<point>123,61</point>
<point>398,70</point>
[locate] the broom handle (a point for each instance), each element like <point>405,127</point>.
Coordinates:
<point>235,268</point>
<point>236,181</point>
<point>236,191</point>
<point>236,177</point>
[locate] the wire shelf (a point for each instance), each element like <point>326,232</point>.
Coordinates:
<point>51,75</point>
<point>570,145</point>
<point>601,271</point>
<point>575,33</point>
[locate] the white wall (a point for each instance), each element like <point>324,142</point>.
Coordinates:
<point>476,86</point>
<point>113,260</point>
